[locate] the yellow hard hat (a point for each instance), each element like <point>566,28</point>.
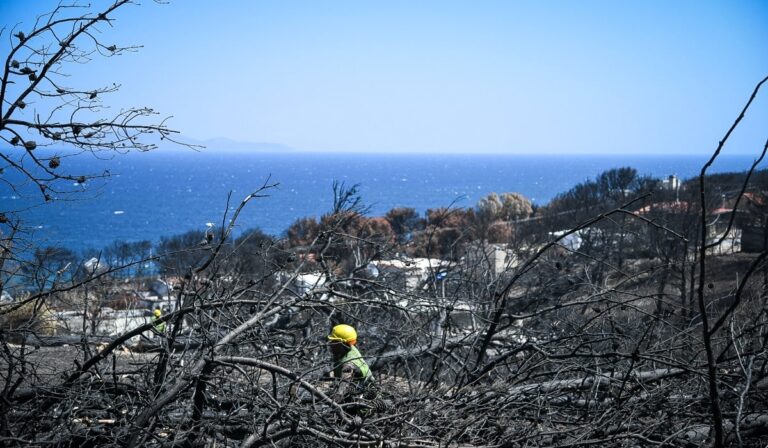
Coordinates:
<point>157,312</point>
<point>343,333</point>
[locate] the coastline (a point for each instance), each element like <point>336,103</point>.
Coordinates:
<point>157,194</point>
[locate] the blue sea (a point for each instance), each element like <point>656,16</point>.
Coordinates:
<point>149,195</point>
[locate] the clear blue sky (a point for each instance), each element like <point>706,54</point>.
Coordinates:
<point>443,76</point>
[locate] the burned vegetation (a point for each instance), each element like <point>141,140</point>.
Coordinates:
<point>628,312</point>
<point>565,342</point>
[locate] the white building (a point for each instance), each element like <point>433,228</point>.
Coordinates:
<point>672,182</point>
<point>411,273</point>
<point>302,284</point>
<point>488,257</point>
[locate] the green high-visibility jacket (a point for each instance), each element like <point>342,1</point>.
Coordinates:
<point>354,357</point>
<point>159,326</point>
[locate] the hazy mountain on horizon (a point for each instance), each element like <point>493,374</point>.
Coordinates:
<point>220,144</point>
<point>227,144</point>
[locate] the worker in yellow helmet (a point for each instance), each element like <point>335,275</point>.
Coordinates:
<point>355,379</point>
<point>159,326</point>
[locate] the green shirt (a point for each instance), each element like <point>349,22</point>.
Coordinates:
<point>354,363</point>
<point>159,326</point>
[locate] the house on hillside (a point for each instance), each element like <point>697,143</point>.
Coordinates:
<point>572,241</point>
<point>754,237</point>
<point>736,226</point>
<point>488,257</point>
<point>411,273</point>
<point>671,183</point>
<point>725,233</point>
<point>103,322</point>
<point>95,266</point>
<point>301,284</point>
<point>746,219</point>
